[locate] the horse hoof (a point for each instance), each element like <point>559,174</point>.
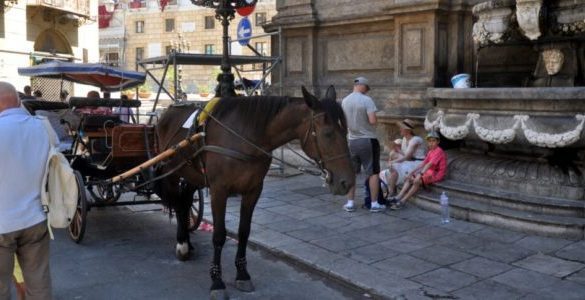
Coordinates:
<point>218,295</point>
<point>245,285</point>
<point>182,252</point>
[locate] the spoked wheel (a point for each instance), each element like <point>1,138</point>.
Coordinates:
<point>105,193</point>
<point>196,213</point>
<point>77,226</point>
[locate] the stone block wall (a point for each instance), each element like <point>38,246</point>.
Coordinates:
<point>402,47</point>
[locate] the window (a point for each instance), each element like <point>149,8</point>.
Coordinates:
<point>260,18</point>
<point>261,47</point>
<point>169,25</point>
<point>139,53</point>
<point>112,58</point>
<point>139,26</point>
<point>209,22</point>
<point>168,49</point>
<point>209,49</point>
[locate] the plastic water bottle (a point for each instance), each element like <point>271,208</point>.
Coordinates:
<point>444,200</point>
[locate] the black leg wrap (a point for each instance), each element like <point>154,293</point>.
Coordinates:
<point>241,264</point>
<point>215,272</point>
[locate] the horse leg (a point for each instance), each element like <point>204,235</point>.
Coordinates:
<point>243,280</point>
<point>182,209</point>
<point>218,204</point>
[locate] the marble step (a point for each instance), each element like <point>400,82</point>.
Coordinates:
<point>512,200</point>
<point>528,222</point>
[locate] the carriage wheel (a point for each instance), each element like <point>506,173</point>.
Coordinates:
<point>105,193</point>
<point>196,213</point>
<point>76,228</point>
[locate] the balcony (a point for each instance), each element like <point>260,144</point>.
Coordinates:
<point>76,7</point>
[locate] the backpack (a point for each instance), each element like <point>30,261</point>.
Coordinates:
<point>59,189</point>
<point>381,199</point>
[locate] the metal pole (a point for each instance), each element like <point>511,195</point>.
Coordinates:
<point>225,13</point>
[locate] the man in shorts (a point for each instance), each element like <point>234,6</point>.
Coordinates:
<point>360,112</point>
<point>431,170</point>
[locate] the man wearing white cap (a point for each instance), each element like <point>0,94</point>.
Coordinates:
<point>360,112</point>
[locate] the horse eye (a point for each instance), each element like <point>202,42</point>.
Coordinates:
<point>328,133</point>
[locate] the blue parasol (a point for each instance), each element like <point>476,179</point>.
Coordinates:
<point>105,77</point>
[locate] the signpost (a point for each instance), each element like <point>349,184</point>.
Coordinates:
<point>244,31</point>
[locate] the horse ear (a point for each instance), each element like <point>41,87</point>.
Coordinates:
<point>331,94</point>
<point>311,100</point>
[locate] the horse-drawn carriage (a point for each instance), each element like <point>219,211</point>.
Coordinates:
<point>100,146</point>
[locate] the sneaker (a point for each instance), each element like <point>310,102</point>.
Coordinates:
<point>377,208</point>
<point>396,206</point>
<point>349,208</point>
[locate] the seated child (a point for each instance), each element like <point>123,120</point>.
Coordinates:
<point>394,153</point>
<point>432,169</point>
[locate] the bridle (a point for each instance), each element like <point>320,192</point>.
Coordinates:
<point>312,131</point>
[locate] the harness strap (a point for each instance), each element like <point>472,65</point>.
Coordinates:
<point>228,152</point>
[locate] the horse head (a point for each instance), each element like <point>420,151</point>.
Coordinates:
<point>324,139</point>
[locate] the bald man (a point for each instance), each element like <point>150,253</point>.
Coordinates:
<point>24,148</point>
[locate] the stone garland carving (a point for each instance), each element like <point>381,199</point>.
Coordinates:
<point>504,136</point>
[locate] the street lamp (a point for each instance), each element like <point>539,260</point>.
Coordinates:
<point>225,11</point>
<point>179,46</point>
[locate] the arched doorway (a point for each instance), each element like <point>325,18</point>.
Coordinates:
<point>52,42</point>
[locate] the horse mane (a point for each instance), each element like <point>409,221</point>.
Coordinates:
<point>257,111</point>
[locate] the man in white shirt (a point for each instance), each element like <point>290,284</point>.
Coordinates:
<point>24,147</point>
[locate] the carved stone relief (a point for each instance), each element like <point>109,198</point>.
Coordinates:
<point>528,16</point>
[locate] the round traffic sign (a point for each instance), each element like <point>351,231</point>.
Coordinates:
<point>244,31</point>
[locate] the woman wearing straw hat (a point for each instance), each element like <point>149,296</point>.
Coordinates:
<point>414,151</point>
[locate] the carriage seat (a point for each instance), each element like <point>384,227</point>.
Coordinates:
<point>99,123</point>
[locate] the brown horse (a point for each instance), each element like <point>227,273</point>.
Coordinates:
<point>249,128</point>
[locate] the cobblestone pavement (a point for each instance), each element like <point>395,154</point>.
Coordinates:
<point>408,254</point>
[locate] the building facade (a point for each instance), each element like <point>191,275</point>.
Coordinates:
<point>35,31</point>
<point>402,47</point>
<point>139,29</point>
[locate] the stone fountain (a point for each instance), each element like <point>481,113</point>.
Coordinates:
<point>515,141</point>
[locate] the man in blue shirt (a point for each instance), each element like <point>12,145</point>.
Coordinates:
<point>360,112</point>
<point>24,148</point>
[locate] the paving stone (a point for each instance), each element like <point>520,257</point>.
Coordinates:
<point>405,266</point>
<point>287,225</point>
<point>526,280</point>
<point>504,236</point>
<point>339,243</point>
<point>542,244</point>
<point>481,267</point>
<point>265,217</point>
<point>406,244</point>
<point>373,234</point>
<point>506,253</point>
<point>304,213</point>
<point>574,252</point>
<point>563,289</point>
<point>311,233</point>
<point>269,202</point>
<point>549,265</point>
<point>429,233</point>
<point>463,226</point>
<point>371,278</point>
<point>578,277</point>
<point>445,279</point>
<point>464,242</point>
<point>271,239</point>
<point>370,253</point>
<point>312,255</point>
<point>489,289</point>
<point>440,255</point>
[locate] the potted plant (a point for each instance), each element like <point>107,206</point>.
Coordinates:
<point>144,91</point>
<point>203,90</point>
<point>129,93</point>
